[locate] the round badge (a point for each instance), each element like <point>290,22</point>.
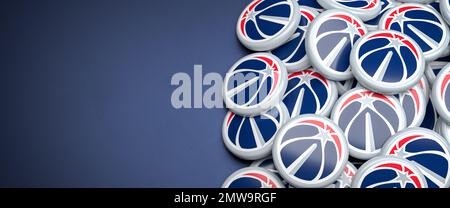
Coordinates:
<point>368,119</point>
<point>431,117</point>
<point>329,40</point>
<point>345,180</point>
<point>364,9</point>
<point>422,23</point>
<point>441,94</point>
<point>310,151</point>
<point>311,4</point>
<point>433,69</point>
<point>387,62</point>
<point>414,103</point>
<point>252,177</point>
<point>388,172</point>
<point>445,9</point>
<point>255,84</point>
<point>267,24</point>
<point>251,138</point>
<point>293,52</point>
<point>309,92</point>
<point>427,150</point>
<point>372,24</point>
<point>345,86</point>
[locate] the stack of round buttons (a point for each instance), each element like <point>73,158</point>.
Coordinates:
<point>322,95</point>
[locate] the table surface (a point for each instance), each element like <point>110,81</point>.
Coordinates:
<point>86,92</point>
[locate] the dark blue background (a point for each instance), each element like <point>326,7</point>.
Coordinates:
<point>85,92</point>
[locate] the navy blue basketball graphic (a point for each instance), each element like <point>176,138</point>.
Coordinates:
<point>364,9</point>
<point>368,119</point>
<point>387,62</point>
<point>252,177</point>
<point>427,150</point>
<point>310,3</point>
<point>441,94</point>
<point>255,84</point>
<point>266,24</point>
<point>385,6</point>
<point>293,53</point>
<point>329,42</point>
<point>423,24</point>
<point>414,103</point>
<point>251,138</point>
<point>435,5</point>
<point>309,92</point>
<point>444,6</point>
<point>388,172</point>
<point>431,117</point>
<point>433,69</point>
<point>310,151</point>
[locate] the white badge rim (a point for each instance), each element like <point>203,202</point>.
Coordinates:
<point>268,102</point>
<point>255,153</point>
<point>313,54</point>
<point>277,40</point>
<point>294,181</point>
<point>355,152</point>
<point>418,130</point>
<point>435,53</point>
<point>380,86</point>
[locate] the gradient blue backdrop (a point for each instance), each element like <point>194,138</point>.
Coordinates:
<point>85,92</point>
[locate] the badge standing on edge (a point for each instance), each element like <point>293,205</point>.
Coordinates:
<point>308,92</point>
<point>329,40</point>
<point>310,151</point>
<point>443,129</point>
<point>433,69</point>
<point>255,84</point>
<point>387,62</point>
<point>368,119</point>
<point>414,103</point>
<point>293,52</point>
<point>251,138</point>
<point>427,150</point>
<point>431,118</point>
<point>388,172</point>
<point>252,177</point>
<point>445,9</point>
<point>423,24</point>
<point>441,94</point>
<point>266,24</point>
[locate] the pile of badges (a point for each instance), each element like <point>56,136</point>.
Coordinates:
<point>341,93</point>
